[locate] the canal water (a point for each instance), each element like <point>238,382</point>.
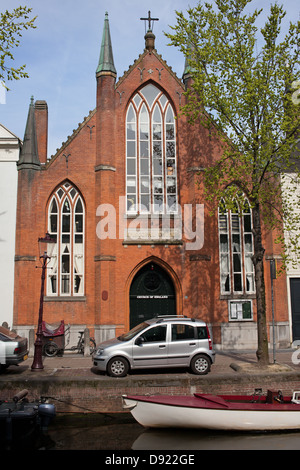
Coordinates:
<point>120,432</point>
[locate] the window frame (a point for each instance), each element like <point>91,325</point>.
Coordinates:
<point>156,103</point>
<point>66,269</point>
<point>231,224</point>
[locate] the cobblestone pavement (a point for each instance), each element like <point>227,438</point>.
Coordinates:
<point>76,365</point>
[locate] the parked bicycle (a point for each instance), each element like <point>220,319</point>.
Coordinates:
<point>54,341</point>
<point>80,345</point>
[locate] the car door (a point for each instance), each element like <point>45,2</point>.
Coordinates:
<point>183,344</point>
<point>150,348</point>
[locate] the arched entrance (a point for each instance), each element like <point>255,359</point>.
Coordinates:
<point>152,293</point>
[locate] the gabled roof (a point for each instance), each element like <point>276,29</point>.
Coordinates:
<point>150,49</point>
<point>71,137</point>
<point>6,133</point>
<point>161,60</point>
<point>106,65</point>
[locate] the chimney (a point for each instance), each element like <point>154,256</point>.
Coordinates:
<point>41,119</point>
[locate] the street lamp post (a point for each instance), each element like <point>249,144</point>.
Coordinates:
<point>273,276</point>
<point>46,246</point>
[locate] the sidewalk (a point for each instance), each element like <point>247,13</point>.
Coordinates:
<point>227,362</point>
<point>283,360</point>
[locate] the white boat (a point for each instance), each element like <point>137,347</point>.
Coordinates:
<point>272,412</point>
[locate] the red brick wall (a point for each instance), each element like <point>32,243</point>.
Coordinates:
<point>100,395</point>
<point>109,265</point>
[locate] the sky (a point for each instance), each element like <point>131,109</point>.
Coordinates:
<point>62,53</point>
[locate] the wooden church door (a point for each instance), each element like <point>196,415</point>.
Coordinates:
<point>152,293</point>
<point>295,303</point>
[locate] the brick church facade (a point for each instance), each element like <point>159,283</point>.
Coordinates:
<point>123,199</point>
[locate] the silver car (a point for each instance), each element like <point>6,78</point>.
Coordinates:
<point>13,348</point>
<point>159,342</point>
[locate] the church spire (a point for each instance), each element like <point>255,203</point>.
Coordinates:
<point>29,153</point>
<point>106,60</point>
<point>188,69</point>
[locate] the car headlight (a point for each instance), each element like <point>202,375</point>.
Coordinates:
<point>99,351</point>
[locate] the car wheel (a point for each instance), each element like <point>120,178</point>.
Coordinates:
<point>200,364</point>
<point>117,367</point>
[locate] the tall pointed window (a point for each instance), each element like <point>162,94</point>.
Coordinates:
<point>151,166</point>
<point>65,275</point>
<point>236,250</point>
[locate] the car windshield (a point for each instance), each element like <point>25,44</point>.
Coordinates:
<point>134,331</point>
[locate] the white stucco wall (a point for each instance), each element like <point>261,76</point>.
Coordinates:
<point>9,155</point>
<point>291,186</point>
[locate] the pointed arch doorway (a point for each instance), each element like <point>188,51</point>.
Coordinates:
<point>152,293</point>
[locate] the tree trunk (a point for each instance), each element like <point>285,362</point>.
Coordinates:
<point>262,352</point>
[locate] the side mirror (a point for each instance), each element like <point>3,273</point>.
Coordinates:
<point>139,341</point>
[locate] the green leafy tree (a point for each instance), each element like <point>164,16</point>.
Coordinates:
<point>12,25</point>
<point>243,88</point>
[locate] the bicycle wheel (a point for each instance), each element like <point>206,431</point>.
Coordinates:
<point>50,349</point>
<point>92,345</point>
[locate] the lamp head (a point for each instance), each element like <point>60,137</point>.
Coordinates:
<point>46,246</point>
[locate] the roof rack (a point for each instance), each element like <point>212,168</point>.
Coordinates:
<point>171,316</point>
<point>161,318</point>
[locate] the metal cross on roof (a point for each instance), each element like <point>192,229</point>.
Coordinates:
<point>149,19</point>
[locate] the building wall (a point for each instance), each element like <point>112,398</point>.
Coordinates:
<point>290,182</point>
<point>34,192</point>
<point>96,167</point>
<point>9,155</point>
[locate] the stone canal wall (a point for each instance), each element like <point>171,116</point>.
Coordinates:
<point>103,394</point>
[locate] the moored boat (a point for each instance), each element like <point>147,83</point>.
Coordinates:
<point>272,412</point>
<point>20,419</point>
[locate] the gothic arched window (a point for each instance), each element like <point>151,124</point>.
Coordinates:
<point>151,167</point>
<point>236,249</point>
<point>65,273</point>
